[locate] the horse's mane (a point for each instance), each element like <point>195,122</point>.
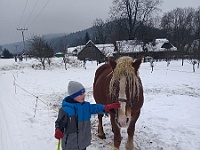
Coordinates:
<point>124,68</point>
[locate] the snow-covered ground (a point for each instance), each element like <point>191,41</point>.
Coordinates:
<point>29,100</point>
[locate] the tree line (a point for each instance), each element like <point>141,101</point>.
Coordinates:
<point>136,20</point>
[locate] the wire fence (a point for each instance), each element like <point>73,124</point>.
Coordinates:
<point>47,104</point>
<point>55,110</point>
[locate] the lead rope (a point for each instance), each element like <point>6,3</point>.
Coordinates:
<point>105,142</point>
<point>58,145</point>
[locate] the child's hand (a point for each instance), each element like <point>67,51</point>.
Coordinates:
<point>115,105</point>
<point>58,134</point>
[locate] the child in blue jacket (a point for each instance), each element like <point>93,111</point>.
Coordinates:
<point>73,124</point>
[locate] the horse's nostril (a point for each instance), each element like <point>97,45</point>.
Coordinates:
<point>116,121</point>
<point>127,120</point>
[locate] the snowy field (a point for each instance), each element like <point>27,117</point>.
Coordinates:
<point>29,100</point>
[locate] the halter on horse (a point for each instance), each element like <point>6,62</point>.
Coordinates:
<point>119,81</point>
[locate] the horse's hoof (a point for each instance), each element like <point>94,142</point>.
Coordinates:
<point>102,136</point>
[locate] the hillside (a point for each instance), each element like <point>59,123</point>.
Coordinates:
<point>56,40</point>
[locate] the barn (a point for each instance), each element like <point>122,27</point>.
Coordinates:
<point>91,52</point>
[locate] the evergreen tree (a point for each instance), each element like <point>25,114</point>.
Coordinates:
<point>6,54</point>
<point>87,37</point>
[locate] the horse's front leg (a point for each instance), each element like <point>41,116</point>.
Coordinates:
<point>130,131</point>
<point>116,129</point>
<point>101,133</point>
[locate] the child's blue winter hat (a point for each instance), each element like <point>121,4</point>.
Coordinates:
<point>75,89</point>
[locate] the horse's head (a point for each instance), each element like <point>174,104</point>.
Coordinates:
<point>124,87</point>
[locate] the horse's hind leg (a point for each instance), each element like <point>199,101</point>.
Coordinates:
<point>101,133</point>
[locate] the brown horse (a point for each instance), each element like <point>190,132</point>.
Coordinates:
<point>119,81</point>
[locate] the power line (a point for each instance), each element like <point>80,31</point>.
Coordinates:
<point>23,12</point>
<point>31,12</point>
<point>39,13</point>
<point>23,29</point>
<point>29,17</point>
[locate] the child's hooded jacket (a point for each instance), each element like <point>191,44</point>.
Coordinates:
<point>74,120</point>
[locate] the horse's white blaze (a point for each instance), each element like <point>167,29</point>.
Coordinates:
<point>122,87</point>
<point>122,118</point>
<point>122,115</point>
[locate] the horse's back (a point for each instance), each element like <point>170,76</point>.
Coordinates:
<point>101,84</point>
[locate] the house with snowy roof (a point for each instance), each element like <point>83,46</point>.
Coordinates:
<point>159,49</point>
<point>97,52</point>
<point>73,51</point>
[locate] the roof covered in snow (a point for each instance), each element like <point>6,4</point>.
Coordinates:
<point>127,46</point>
<point>106,49</point>
<point>136,46</point>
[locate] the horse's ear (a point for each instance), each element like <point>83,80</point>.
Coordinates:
<point>137,63</point>
<point>112,63</point>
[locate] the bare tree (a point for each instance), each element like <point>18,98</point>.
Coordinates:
<point>118,30</point>
<point>152,65</point>
<point>179,24</point>
<point>197,26</point>
<point>41,50</point>
<point>0,51</point>
<point>135,12</point>
<point>194,62</point>
<point>66,60</point>
<point>100,31</point>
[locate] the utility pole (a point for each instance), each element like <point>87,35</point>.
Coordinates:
<point>16,49</point>
<point>22,30</point>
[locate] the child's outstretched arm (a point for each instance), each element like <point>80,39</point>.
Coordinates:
<point>100,108</point>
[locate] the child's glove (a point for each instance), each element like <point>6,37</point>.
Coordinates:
<point>58,134</point>
<point>115,105</point>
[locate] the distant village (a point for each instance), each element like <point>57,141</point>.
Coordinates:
<point>160,49</point>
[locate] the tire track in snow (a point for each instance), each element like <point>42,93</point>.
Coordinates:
<point>10,133</point>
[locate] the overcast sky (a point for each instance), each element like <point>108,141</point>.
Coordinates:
<point>59,16</point>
